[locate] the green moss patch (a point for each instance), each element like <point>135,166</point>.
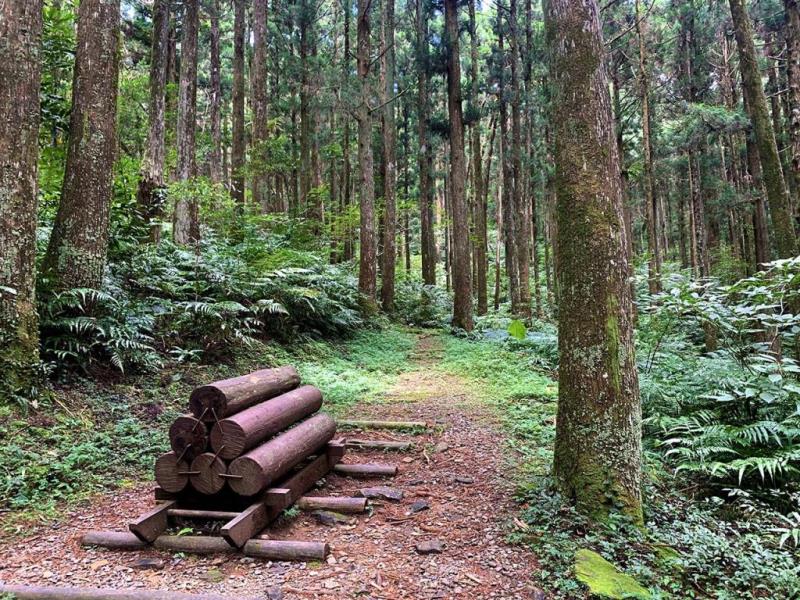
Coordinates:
<point>604,580</point>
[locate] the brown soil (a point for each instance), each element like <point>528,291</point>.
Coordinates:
<point>374,557</point>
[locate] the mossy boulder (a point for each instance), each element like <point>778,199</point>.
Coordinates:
<point>604,580</point>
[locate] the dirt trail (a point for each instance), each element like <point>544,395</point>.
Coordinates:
<point>456,468</point>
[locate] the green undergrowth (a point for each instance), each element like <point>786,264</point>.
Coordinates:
<point>92,437</point>
<point>691,547</point>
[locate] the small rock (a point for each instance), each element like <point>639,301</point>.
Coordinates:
<point>381,493</point>
<point>326,517</point>
<point>330,584</point>
<point>420,505</point>
<point>464,479</point>
<point>430,547</point>
<point>98,564</point>
<point>155,564</point>
<point>441,447</point>
<point>213,575</point>
<point>274,593</point>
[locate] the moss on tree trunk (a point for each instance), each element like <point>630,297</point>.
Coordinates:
<point>598,437</point>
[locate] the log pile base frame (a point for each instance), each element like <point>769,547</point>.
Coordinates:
<point>244,518</point>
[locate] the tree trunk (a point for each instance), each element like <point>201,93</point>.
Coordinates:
<point>367,276</point>
<point>20,70</point>
<point>215,156</point>
<point>150,195</point>
<point>186,221</point>
<point>479,195</point>
<point>238,142</point>
<point>258,83</point>
<point>425,156</point>
<point>462,285</point>
<point>651,208</point>
<point>777,196</point>
<point>522,228</point>
<point>390,161</point>
<point>792,34</point>
<point>598,436</point>
<point>76,255</point>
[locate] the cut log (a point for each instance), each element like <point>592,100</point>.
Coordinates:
<point>248,523</point>
<point>24,592</point>
<point>384,424</point>
<point>211,515</point>
<point>379,445</point>
<point>193,544</point>
<point>153,523</point>
<point>188,437</point>
<point>287,550</point>
<point>227,397</point>
<point>338,504</point>
<point>366,470</point>
<point>238,433</point>
<point>171,473</point>
<point>256,470</point>
<point>118,540</point>
<point>207,473</point>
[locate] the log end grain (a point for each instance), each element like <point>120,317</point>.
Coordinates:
<point>207,403</point>
<point>228,439</point>
<point>188,437</point>
<point>171,473</point>
<point>248,477</point>
<point>207,473</point>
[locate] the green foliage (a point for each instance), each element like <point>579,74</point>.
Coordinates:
<point>421,305</point>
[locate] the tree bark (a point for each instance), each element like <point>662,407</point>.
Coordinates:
<point>367,276</point>
<point>782,227</point>
<point>186,220</point>
<point>76,255</point>
<point>258,83</point>
<point>792,35</point>
<point>238,142</point>
<point>478,190</point>
<point>651,208</point>
<point>462,275</point>
<point>522,230</point>
<point>425,156</point>
<point>150,195</point>
<point>20,72</point>
<point>389,157</point>
<point>598,435</point>
<point>215,156</point>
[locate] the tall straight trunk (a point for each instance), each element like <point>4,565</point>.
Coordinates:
<point>76,255</point>
<point>215,156</point>
<point>347,250</point>
<point>499,219</point>
<point>700,236</point>
<point>367,276</point>
<point>390,161</point>
<point>597,458</point>
<point>20,72</point>
<point>792,35</point>
<point>238,141</point>
<point>509,212</point>
<point>651,208</point>
<point>522,230</point>
<point>307,116</point>
<point>462,275</point>
<point>478,203</point>
<point>186,220</point>
<point>760,232</point>
<point>150,194</point>
<point>782,227</point>
<point>425,155</point>
<point>258,84</point>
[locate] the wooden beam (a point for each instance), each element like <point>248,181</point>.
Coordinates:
<point>248,523</point>
<point>379,445</point>
<point>24,592</point>
<point>338,504</point>
<point>119,540</point>
<point>152,523</point>
<point>383,424</point>
<point>193,544</point>
<point>287,549</point>
<point>366,470</point>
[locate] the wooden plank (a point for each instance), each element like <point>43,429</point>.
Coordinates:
<point>366,470</point>
<point>193,544</point>
<point>186,513</point>
<point>379,445</point>
<point>340,504</point>
<point>287,549</point>
<point>383,424</point>
<point>24,592</point>
<point>153,523</point>
<point>248,523</point>
<point>119,540</point>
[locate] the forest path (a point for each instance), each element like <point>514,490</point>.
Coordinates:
<point>456,467</point>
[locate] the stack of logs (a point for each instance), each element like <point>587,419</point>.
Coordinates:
<point>236,434</point>
<point>249,448</point>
